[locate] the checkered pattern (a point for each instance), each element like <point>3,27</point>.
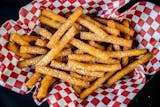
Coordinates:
<point>11,76</point>
<point>110,7</point>
<point>34,95</point>
<point>144,18</point>
<point>62,95</point>
<point>119,94</point>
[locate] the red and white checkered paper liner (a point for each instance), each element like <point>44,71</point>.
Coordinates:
<point>145,19</point>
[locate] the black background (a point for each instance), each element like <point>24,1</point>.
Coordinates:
<point>147,97</point>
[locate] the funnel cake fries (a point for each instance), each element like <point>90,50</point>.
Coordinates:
<point>83,51</point>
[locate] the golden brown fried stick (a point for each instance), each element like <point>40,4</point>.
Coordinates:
<point>63,66</point>
<point>54,51</point>
<point>129,68</point>
<point>33,50</point>
<point>107,22</point>
<point>125,60</point>
<point>93,67</point>
<point>49,22</point>
<point>129,53</point>
<point>53,15</point>
<point>119,26</point>
<point>95,85</point>
<point>83,77</point>
<point>45,84</point>
<point>45,33</point>
<point>109,30</point>
<point>18,39</point>
<point>41,42</point>
<point>29,38</point>
<point>61,75</point>
<point>14,48</point>
<point>63,28</point>
<point>89,58</point>
<point>67,37</point>
<point>32,81</point>
<point>29,62</point>
<point>89,49</point>
<point>109,39</point>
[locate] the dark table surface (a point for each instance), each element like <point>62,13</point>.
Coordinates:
<point>147,97</point>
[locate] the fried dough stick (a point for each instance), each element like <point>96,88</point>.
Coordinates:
<point>18,39</point>
<point>63,28</point>
<point>109,39</point>
<point>93,67</point>
<point>63,66</point>
<point>45,84</point>
<point>95,85</point>
<point>125,60</point>
<point>14,48</point>
<point>61,75</point>
<point>54,52</point>
<point>32,61</point>
<point>117,25</point>
<point>89,58</point>
<point>110,30</point>
<point>33,50</point>
<point>129,68</point>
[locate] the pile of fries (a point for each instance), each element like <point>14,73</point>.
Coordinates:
<point>83,51</point>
